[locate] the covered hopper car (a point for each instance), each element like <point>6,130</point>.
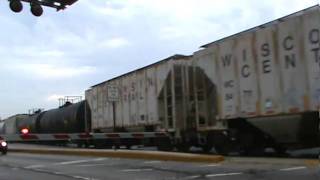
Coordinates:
<point>255,89</point>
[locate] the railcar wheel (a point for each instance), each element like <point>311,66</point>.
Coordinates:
<point>222,149</point>
<point>280,150</point>
<point>207,148</point>
<point>183,147</point>
<point>164,144</point>
<point>102,144</point>
<point>79,145</point>
<point>253,151</point>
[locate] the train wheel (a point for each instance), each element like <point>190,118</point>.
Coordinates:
<point>207,148</point>
<point>183,147</point>
<point>128,146</point>
<point>253,151</point>
<point>164,144</point>
<point>222,149</point>
<point>222,144</point>
<point>280,150</point>
<point>101,144</point>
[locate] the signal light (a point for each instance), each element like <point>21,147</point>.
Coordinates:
<point>3,144</point>
<point>25,131</point>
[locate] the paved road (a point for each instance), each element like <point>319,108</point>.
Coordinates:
<point>51,167</point>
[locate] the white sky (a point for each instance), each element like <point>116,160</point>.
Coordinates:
<point>64,53</point>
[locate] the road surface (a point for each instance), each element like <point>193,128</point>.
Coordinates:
<point>15,166</point>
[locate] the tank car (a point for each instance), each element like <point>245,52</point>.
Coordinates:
<point>31,122</point>
<point>69,118</point>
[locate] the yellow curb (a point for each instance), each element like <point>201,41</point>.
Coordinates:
<point>154,155</point>
<point>312,163</point>
<point>269,160</point>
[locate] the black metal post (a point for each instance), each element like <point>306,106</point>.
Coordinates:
<point>114,115</point>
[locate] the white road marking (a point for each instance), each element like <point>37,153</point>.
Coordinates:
<point>135,170</point>
<point>91,165</point>
<point>84,178</point>
<point>223,174</point>
<point>100,159</point>
<point>71,162</point>
<point>79,161</point>
<point>61,173</point>
<point>34,166</point>
<point>293,168</point>
<point>152,162</point>
<point>192,177</point>
<point>210,165</point>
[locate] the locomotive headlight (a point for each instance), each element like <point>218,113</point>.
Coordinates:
<point>3,144</point>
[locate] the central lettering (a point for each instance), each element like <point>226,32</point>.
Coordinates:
<point>290,59</point>
<point>226,60</point>
<point>265,53</point>
<point>314,38</point>
<point>229,96</point>
<point>245,70</point>
<point>229,84</point>
<point>247,93</point>
<point>287,43</point>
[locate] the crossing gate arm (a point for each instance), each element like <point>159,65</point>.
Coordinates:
<point>80,136</point>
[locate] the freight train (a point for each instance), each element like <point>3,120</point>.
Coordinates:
<point>256,89</point>
<point>69,119</point>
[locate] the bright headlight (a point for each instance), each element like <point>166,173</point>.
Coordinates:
<point>3,143</point>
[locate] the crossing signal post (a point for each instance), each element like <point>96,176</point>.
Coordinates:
<point>113,96</point>
<point>24,131</point>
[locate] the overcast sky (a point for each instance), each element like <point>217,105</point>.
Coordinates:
<point>64,53</point>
